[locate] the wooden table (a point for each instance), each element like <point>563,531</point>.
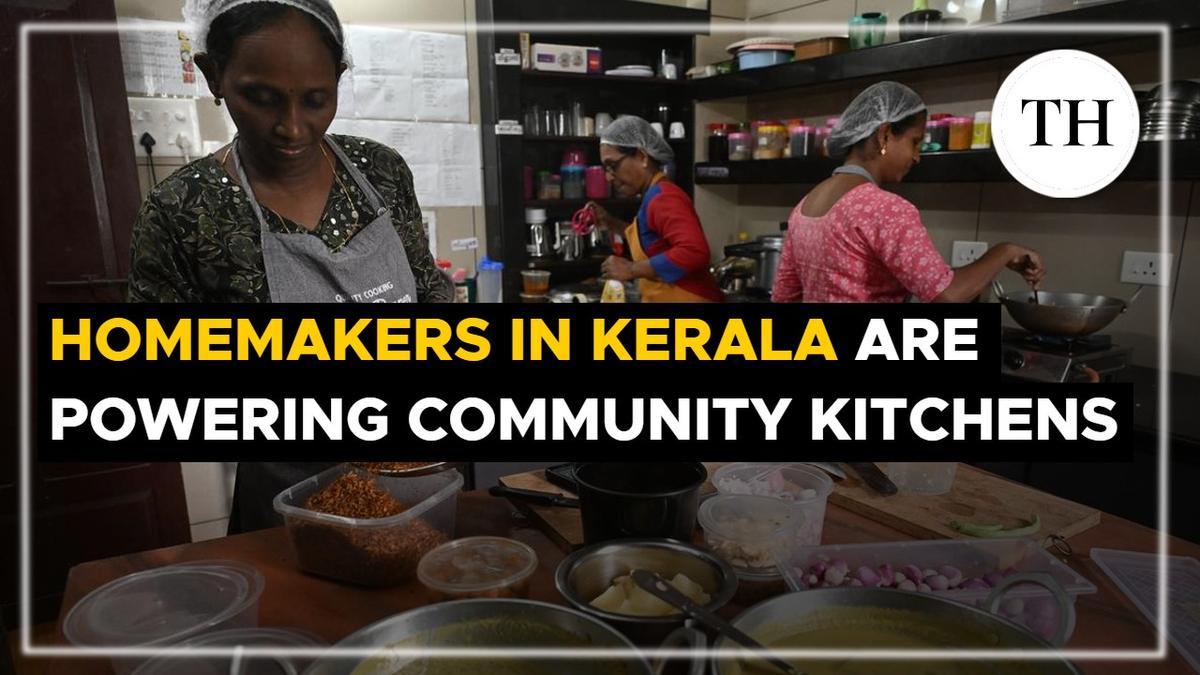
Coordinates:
<point>1107,620</point>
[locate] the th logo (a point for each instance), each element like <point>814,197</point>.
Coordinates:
<point>1073,121</point>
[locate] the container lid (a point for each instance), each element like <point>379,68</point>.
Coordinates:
<point>962,120</point>
<point>799,129</point>
<point>748,518</point>
<point>536,274</point>
<point>718,126</point>
<point>756,41</point>
<point>832,121</point>
<point>983,116</point>
<point>543,174</point>
<point>237,637</point>
<point>572,168</point>
<point>756,124</point>
<point>163,605</point>
<point>535,215</point>
<point>944,122</point>
<point>486,263</point>
<point>940,116</point>
<point>795,483</point>
<point>822,131</point>
<point>740,135</point>
<point>476,564</point>
<point>772,128</point>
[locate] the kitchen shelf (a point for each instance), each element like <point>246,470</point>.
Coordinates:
<point>541,76</point>
<point>612,203</point>
<point>591,139</point>
<point>970,166</point>
<point>944,50</point>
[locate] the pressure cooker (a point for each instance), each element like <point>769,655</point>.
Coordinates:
<point>765,252</point>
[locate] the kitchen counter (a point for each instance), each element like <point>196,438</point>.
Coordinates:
<point>331,610</point>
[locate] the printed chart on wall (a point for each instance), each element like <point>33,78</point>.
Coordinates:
<point>409,90</point>
<point>157,59</point>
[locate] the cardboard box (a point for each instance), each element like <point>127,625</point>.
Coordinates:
<point>566,58</point>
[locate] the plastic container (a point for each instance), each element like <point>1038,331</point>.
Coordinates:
<point>923,478</point>
<point>718,143</point>
<point>478,567</point>
<point>535,282</point>
<point>750,532</point>
<point>572,182</point>
<point>868,29</point>
<point>740,148</point>
<point>488,283</point>
<point>749,59</point>
<point>939,135</point>
<point>981,131</point>
<point>595,183</point>
<point>371,551</point>
<point>1026,604</point>
<point>769,141</point>
<point>168,664</point>
<point>805,487</point>
<point>801,141</point>
<point>961,129</point>
<point>165,606</point>
<point>549,185</point>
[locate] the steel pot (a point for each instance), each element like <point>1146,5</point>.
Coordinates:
<point>488,623</point>
<point>765,251</point>
<point>1067,315</point>
<point>588,572</point>
<point>620,500</point>
<point>927,617</point>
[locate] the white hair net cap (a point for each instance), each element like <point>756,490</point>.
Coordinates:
<point>634,132</point>
<point>879,103</point>
<point>200,14</point>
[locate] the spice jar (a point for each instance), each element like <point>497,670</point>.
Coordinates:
<point>981,132</point>
<point>937,133</point>
<point>572,182</point>
<point>961,129</point>
<point>549,185</point>
<point>595,183</point>
<point>819,137</point>
<point>800,141</point>
<point>739,146</point>
<point>718,143</point>
<point>769,141</point>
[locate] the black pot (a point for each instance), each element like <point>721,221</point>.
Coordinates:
<point>620,500</point>
<point>919,24</point>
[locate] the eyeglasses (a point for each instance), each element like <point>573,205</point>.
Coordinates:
<point>611,167</point>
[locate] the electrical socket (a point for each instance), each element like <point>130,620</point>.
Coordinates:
<point>967,252</point>
<point>1145,267</point>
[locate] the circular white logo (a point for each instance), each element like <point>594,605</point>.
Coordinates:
<point>1065,123</point>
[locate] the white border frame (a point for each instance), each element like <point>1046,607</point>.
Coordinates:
<point>24,379</point>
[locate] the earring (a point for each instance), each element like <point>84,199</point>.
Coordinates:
<point>217,101</point>
<point>883,151</point>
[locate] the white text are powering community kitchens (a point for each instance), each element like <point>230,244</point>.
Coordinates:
<point>473,419</point>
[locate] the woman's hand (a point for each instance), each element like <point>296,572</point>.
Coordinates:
<point>616,267</point>
<point>1028,263</point>
<point>603,218</point>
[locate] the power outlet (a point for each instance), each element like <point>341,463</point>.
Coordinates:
<point>967,252</point>
<point>1144,267</point>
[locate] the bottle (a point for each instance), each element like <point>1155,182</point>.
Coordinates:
<point>488,281</point>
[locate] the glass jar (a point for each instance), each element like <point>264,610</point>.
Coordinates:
<point>549,185</point>
<point>981,132</point>
<point>938,132</point>
<point>769,141</point>
<point>800,141</point>
<point>739,146</point>
<point>718,143</point>
<point>572,182</point>
<point>961,129</point>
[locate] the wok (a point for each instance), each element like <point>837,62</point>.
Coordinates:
<point>1068,315</point>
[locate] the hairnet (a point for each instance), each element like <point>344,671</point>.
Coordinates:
<point>634,132</point>
<point>877,104</point>
<point>201,14</point>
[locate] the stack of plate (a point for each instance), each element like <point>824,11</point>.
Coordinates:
<point>631,71</point>
<point>1172,113</point>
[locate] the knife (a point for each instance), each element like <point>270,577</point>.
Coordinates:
<point>873,477</point>
<point>533,496</point>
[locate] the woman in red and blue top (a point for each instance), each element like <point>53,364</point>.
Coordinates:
<point>670,253</point>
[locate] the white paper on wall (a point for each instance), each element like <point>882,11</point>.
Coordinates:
<point>158,61</point>
<point>425,182</point>
<point>380,51</point>
<point>438,55</point>
<point>384,97</point>
<point>460,186</point>
<point>441,100</point>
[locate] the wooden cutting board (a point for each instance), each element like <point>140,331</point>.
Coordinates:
<point>977,496</point>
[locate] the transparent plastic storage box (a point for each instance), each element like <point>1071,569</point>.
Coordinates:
<point>371,551</point>
<point>1026,604</point>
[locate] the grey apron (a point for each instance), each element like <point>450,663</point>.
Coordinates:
<point>856,170</point>
<point>372,267</point>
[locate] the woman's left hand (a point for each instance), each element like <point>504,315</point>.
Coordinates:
<point>615,267</point>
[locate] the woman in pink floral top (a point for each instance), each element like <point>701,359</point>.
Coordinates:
<point>850,240</point>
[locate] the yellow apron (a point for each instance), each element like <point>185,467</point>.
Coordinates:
<point>654,290</point>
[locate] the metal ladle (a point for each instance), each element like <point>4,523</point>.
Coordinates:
<point>661,589</point>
